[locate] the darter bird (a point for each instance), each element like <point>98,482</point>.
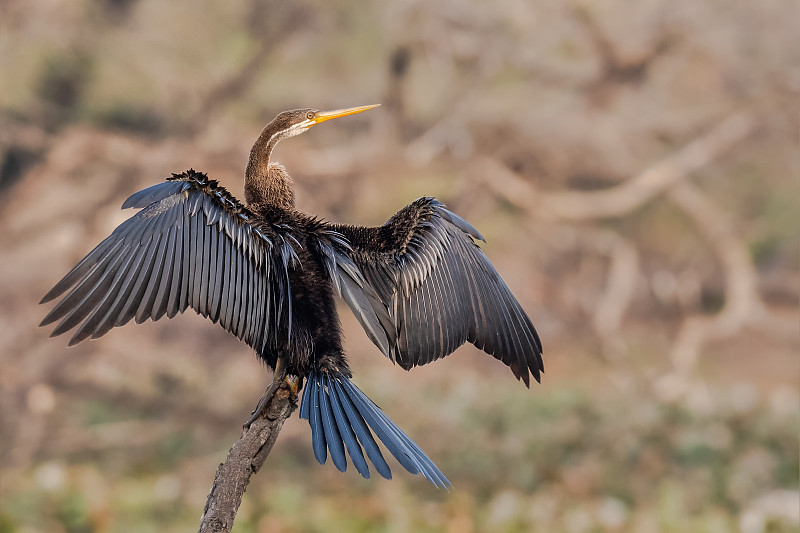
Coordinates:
<point>266,272</point>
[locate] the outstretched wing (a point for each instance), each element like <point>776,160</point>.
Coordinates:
<point>441,290</point>
<point>192,245</point>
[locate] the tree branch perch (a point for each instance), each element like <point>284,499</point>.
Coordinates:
<point>245,459</point>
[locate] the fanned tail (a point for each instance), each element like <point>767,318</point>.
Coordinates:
<point>341,417</point>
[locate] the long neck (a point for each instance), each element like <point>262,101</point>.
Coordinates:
<point>265,182</point>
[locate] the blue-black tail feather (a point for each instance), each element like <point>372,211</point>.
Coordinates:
<point>341,417</point>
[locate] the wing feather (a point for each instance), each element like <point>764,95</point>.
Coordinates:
<point>96,319</point>
<point>89,302</point>
<point>145,309</point>
<point>113,314</point>
<point>440,290</point>
<point>162,294</point>
<point>192,244</point>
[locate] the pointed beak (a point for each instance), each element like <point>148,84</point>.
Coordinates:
<point>322,116</point>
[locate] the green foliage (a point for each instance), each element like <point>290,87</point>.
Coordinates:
<point>518,462</point>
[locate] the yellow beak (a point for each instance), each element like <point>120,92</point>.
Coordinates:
<point>322,116</point>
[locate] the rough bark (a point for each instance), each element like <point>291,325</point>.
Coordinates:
<point>245,458</point>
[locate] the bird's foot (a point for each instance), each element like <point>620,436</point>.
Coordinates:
<point>285,387</point>
<point>295,383</point>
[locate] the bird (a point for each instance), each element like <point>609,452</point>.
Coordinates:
<point>268,273</point>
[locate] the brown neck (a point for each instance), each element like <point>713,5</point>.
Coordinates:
<point>265,182</point>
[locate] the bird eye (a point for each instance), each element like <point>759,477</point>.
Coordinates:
<point>310,115</point>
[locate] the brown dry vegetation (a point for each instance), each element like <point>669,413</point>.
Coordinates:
<point>633,166</point>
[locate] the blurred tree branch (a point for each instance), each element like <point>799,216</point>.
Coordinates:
<point>245,458</point>
<point>269,24</point>
<point>743,303</point>
<point>615,69</point>
<point>623,272</point>
<point>620,200</point>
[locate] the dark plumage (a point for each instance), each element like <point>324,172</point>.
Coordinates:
<point>267,273</point>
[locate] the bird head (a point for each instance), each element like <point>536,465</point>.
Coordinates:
<point>297,121</point>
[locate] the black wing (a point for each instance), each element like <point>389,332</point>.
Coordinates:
<point>441,290</point>
<point>192,245</point>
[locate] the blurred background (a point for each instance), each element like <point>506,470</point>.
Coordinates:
<point>633,166</point>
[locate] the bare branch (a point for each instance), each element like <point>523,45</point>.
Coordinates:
<point>613,67</point>
<point>245,458</point>
<point>628,196</point>
<point>622,199</point>
<point>623,271</point>
<point>742,299</point>
<point>269,32</point>
<point>743,303</point>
